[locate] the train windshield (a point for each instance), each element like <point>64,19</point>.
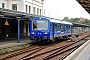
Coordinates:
<point>40,25</point>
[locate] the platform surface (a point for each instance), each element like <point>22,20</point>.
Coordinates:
<point>9,43</point>
<point>82,53</point>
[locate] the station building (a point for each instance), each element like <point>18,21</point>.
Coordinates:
<point>29,6</point>
<point>8,21</point>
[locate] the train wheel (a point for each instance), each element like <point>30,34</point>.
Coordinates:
<point>47,41</point>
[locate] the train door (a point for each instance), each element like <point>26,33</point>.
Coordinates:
<point>51,31</point>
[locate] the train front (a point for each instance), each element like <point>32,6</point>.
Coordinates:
<point>39,30</point>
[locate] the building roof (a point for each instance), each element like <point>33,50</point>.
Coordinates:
<point>85,4</point>
<point>6,13</point>
<point>18,14</point>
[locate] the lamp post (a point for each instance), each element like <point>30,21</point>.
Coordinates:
<point>49,14</point>
<point>42,6</point>
<point>57,16</point>
<point>44,11</point>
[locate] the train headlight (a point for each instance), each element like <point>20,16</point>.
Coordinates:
<point>33,33</point>
<point>46,32</point>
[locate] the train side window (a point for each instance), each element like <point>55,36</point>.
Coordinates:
<point>58,26</point>
<point>63,26</point>
<point>55,26</point>
<point>68,27</point>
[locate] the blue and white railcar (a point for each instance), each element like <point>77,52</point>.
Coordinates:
<point>60,29</point>
<point>43,29</point>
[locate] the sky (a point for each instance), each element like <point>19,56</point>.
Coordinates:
<point>64,8</point>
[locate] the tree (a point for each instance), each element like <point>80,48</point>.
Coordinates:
<point>77,20</point>
<point>72,20</point>
<point>66,19</point>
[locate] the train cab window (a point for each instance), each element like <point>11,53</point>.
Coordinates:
<point>34,25</point>
<point>40,25</point>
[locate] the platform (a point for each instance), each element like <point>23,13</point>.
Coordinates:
<point>82,53</point>
<point>13,42</point>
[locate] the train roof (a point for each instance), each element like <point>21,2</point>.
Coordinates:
<point>53,20</point>
<point>60,21</point>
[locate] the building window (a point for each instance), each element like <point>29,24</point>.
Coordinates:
<point>29,9</point>
<point>14,6</point>
<point>33,10</point>
<point>26,8</point>
<point>3,5</point>
<point>40,11</point>
<point>37,11</point>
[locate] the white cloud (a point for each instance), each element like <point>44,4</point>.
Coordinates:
<point>63,8</point>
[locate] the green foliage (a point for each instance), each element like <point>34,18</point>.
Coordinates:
<point>66,19</point>
<point>77,20</point>
<point>86,21</point>
<point>15,48</point>
<point>7,49</point>
<point>72,19</point>
<point>2,51</point>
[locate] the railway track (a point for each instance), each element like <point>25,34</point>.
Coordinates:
<point>31,50</point>
<point>34,52</point>
<point>15,53</point>
<point>57,51</point>
<point>61,52</point>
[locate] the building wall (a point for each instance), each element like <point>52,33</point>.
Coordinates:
<point>21,5</point>
<point>36,7</point>
<point>2,1</point>
<point>33,3</point>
